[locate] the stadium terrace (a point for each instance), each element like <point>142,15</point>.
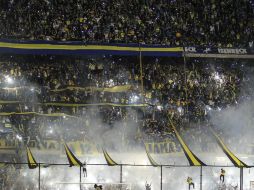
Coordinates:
<point>133,94</point>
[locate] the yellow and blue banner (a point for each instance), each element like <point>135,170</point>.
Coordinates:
<point>192,158</point>
<point>73,161</point>
<point>108,159</point>
<point>232,157</point>
<point>81,48</point>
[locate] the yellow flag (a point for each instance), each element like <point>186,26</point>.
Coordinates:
<point>108,159</point>
<point>32,164</point>
<point>192,158</point>
<point>73,161</point>
<point>236,161</point>
<point>151,160</point>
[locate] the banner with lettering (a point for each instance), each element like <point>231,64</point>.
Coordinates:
<point>219,52</point>
<point>85,147</point>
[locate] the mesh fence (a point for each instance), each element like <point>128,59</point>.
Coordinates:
<point>56,177</point>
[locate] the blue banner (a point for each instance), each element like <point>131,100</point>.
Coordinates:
<point>38,47</point>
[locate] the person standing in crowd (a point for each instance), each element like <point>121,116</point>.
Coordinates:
<point>222,175</point>
<point>190,182</point>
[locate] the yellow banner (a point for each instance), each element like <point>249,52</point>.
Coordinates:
<point>192,158</point>
<point>78,147</point>
<point>36,113</point>
<point>65,105</point>
<point>108,159</point>
<point>85,147</point>
<point>122,88</point>
<point>233,158</point>
<point>163,147</point>
<point>32,164</point>
<point>87,47</point>
<point>151,160</point>
<point>98,104</point>
<point>73,161</point>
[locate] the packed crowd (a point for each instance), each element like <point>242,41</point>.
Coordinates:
<point>80,89</point>
<point>217,23</point>
<point>110,99</point>
<point>54,79</point>
<point>41,86</point>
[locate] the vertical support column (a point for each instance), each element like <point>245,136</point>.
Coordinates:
<point>141,79</point>
<point>241,178</point>
<point>161,178</point>
<point>80,177</point>
<point>185,81</point>
<point>121,173</point>
<point>142,83</point>
<point>39,176</point>
<point>141,75</point>
<point>201,177</point>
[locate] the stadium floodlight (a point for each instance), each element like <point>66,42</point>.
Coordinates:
<point>9,80</point>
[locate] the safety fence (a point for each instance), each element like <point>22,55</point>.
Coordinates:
<point>61,176</point>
